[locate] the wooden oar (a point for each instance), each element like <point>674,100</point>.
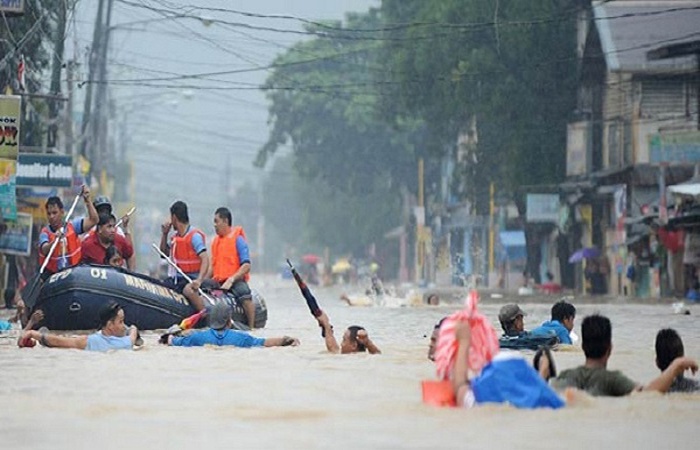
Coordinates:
<point>128,214</point>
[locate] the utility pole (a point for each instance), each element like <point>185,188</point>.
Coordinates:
<point>100,123</point>
<point>56,67</point>
<point>68,120</point>
<point>94,54</point>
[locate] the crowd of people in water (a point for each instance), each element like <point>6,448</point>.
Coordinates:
<point>475,375</point>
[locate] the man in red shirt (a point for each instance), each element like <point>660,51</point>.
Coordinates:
<point>94,248</point>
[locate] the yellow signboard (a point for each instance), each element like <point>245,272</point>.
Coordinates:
<point>10,110</point>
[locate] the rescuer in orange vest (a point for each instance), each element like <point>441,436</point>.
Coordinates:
<point>188,249</point>
<point>230,262</point>
<point>67,252</point>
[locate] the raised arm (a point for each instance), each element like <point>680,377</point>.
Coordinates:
<point>165,229</point>
<point>363,338</point>
<point>663,382</point>
<point>325,324</point>
<point>460,382</point>
<point>92,217</point>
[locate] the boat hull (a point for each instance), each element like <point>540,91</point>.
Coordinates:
<point>71,300</point>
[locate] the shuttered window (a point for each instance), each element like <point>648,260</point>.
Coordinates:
<point>664,97</point>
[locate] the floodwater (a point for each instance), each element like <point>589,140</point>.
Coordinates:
<point>302,397</point>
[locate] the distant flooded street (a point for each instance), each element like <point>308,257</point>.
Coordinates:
<point>302,397</point>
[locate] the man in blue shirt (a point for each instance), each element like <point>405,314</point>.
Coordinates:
<point>220,333</point>
<point>113,334</point>
<point>563,315</point>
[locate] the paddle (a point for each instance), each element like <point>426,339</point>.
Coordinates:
<point>236,325</point>
<point>128,214</point>
<point>308,296</point>
<point>32,293</point>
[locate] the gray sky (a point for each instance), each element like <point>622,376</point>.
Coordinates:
<point>182,139</point>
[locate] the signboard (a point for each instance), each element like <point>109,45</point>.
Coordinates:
<point>8,197</point>
<point>577,154</point>
<point>44,170</point>
<point>542,208</point>
<point>33,201</point>
<point>674,147</point>
<point>10,110</point>
<point>12,7</point>
<point>17,238</point>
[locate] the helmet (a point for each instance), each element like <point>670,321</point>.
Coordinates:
<point>102,201</point>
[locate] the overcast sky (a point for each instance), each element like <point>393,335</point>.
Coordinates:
<point>183,138</point>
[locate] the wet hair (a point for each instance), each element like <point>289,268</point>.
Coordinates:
<point>563,310</point>
<point>54,201</point>
<point>108,312</point>
<point>353,336</point>
<point>104,219</point>
<point>179,210</point>
<point>596,334</point>
<point>669,346</point>
<point>439,324</point>
<point>110,253</point>
<point>225,214</point>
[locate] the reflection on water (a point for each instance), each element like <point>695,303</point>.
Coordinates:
<point>304,398</point>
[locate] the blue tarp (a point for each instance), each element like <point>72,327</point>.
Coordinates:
<point>512,245</point>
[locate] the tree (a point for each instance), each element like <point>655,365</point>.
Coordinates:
<point>30,35</point>
<point>324,104</point>
<point>508,65</point>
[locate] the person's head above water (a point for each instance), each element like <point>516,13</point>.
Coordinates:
<point>596,337</point>
<point>564,313</point>
<point>433,339</point>
<point>511,318</point>
<point>350,342</point>
<point>669,346</point>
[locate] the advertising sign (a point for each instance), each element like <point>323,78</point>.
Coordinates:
<point>44,170</point>
<point>674,147</point>
<point>542,208</point>
<point>12,7</point>
<point>10,110</point>
<point>17,238</point>
<point>8,197</point>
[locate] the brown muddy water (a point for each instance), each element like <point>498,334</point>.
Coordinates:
<point>302,397</point>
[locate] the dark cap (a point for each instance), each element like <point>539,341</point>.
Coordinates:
<point>509,312</point>
<point>219,315</point>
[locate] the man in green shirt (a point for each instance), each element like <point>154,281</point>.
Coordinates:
<point>594,377</point>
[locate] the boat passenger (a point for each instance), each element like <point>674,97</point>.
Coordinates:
<point>563,315</point>
<point>104,206</point>
<point>669,346</point>
<point>512,319</point>
<point>188,250</point>
<point>112,335</point>
<point>94,247</point>
<point>113,257</point>
<point>230,263</point>
<point>68,252</point>
<point>595,378</point>
<point>355,338</point>
<point>220,334</point>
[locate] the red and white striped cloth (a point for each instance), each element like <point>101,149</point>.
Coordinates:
<point>484,339</point>
<point>21,74</point>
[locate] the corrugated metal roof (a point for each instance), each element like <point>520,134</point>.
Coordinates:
<point>626,40</point>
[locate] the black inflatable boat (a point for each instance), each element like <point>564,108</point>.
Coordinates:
<point>71,299</point>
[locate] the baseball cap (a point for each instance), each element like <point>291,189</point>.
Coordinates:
<point>509,312</point>
<point>219,315</point>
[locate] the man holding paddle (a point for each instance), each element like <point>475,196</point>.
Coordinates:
<point>230,263</point>
<point>66,251</point>
<point>188,250</point>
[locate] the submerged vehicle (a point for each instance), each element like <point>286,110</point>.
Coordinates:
<point>71,300</point>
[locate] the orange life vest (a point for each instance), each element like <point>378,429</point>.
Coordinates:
<point>224,255</point>
<point>72,248</point>
<point>183,254</point>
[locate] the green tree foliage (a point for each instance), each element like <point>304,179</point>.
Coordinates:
<point>510,64</point>
<point>31,35</point>
<point>351,165</point>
